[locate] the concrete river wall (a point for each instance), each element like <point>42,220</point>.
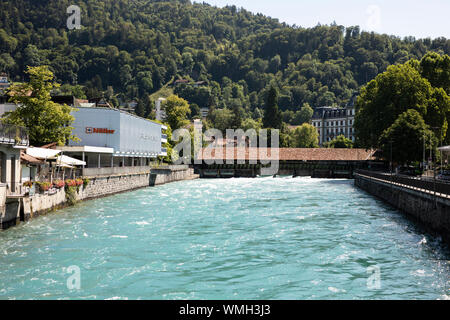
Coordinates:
<point>430,209</point>
<point>102,183</point>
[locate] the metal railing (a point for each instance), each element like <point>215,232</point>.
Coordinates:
<point>12,134</point>
<point>430,186</point>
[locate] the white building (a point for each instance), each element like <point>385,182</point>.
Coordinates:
<point>114,138</point>
<point>332,122</point>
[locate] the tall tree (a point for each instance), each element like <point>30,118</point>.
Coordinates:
<point>404,138</point>
<point>177,110</point>
<point>272,116</point>
<point>390,94</point>
<point>306,136</point>
<point>238,116</point>
<point>340,142</point>
<point>303,115</point>
<point>436,69</point>
<point>46,120</point>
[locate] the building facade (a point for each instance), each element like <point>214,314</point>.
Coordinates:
<point>115,138</point>
<point>4,82</point>
<point>331,122</point>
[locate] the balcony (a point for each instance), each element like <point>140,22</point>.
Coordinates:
<point>13,135</point>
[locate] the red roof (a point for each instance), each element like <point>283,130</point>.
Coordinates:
<point>287,154</point>
<point>30,159</point>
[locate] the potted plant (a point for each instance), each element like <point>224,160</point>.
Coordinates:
<point>28,184</point>
<point>59,184</point>
<point>71,183</point>
<point>44,185</point>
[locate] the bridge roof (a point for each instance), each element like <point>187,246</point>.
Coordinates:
<point>287,154</point>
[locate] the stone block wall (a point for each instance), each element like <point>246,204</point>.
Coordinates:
<point>162,176</point>
<point>103,186</point>
<point>432,212</point>
<point>15,210</point>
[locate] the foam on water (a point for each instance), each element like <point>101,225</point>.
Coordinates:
<point>263,238</point>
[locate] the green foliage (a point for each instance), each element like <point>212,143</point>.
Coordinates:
<point>272,116</point>
<point>436,69</point>
<point>340,142</point>
<point>144,107</point>
<point>177,110</point>
<point>86,182</point>
<point>305,136</point>
<point>406,135</point>
<point>137,47</point>
<point>303,115</point>
<point>71,195</point>
<point>47,121</point>
<point>400,88</point>
<point>222,119</point>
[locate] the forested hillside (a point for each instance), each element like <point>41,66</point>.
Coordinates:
<point>128,49</point>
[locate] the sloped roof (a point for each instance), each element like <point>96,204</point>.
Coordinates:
<point>42,153</point>
<point>29,159</point>
<point>287,154</point>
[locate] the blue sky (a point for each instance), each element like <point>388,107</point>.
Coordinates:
<point>418,18</point>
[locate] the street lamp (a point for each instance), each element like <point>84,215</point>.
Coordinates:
<point>434,169</point>
<point>390,163</point>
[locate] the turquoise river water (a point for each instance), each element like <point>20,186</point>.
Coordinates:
<point>263,238</point>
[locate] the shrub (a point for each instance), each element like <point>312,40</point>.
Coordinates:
<point>86,182</point>
<point>71,197</point>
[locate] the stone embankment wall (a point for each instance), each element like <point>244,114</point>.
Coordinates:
<point>431,211</point>
<point>166,174</point>
<point>14,210</point>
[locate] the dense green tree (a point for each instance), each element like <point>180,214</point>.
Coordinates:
<point>238,115</point>
<point>139,110</point>
<point>436,69</point>
<point>177,111</point>
<point>249,123</point>
<point>140,48</point>
<point>390,94</point>
<point>223,119</point>
<point>340,142</point>
<point>303,115</point>
<point>272,116</point>
<point>46,120</point>
<point>405,137</point>
<point>305,136</point>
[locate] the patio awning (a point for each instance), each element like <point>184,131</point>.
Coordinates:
<point>42,153</point>
<point>65,160</point>
<point>444,149</point>
<point>26,158</point>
